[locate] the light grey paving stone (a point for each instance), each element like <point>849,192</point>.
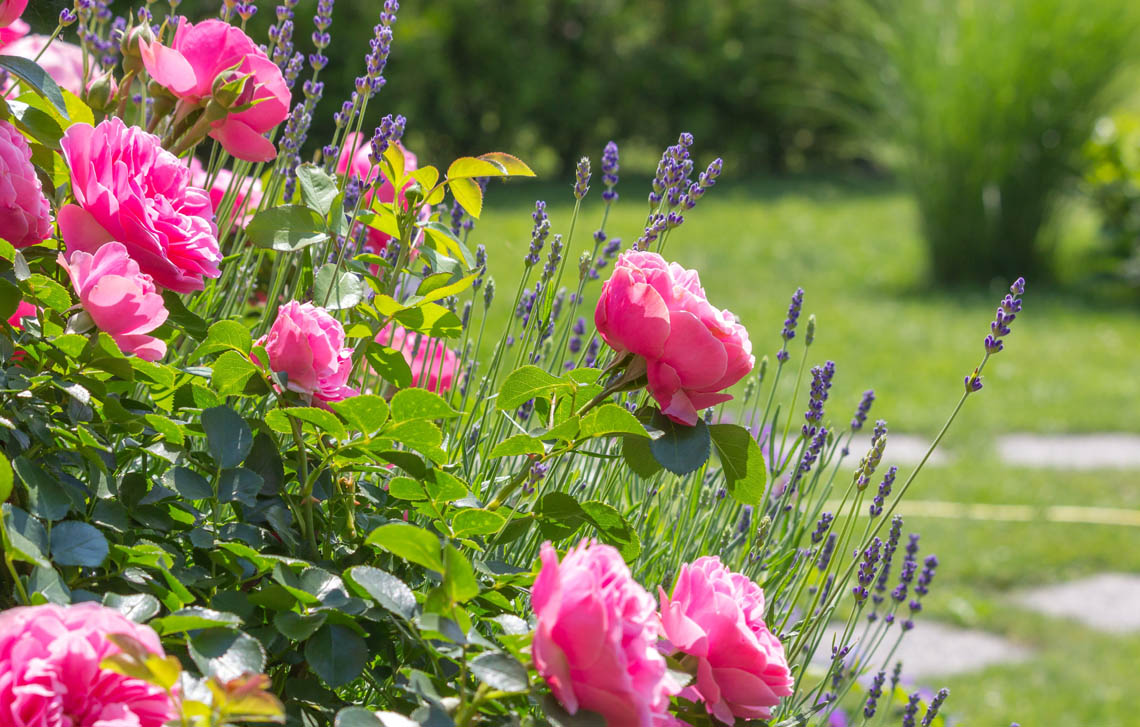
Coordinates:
<point>1107,602</point>
<point>1071,451</point>
<point>933,649</point>
<point>902,449</point>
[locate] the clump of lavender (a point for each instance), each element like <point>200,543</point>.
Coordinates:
<point>910,711</point>
<point>888,556</point>
<point>704,182</point>
<point>657,224</point>
<point>863,410</point>
<point>390,131</point>
<point>553,258</point>
<point>810,455</point>
<point>876,508</point>
<point>825,552</point>
<point>873,457</point>
<point>790,322</point>
<point>821,377</point>
<point>610,172</point>
<point>673,171</point>
<point>921,589</point>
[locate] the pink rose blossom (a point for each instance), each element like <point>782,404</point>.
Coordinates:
<point>10,11</point>
<point>120,300</point>
<point>25,215</point>
<point>131,190</point>
<point>13,32</point>
<point>247,192</point>
<point>434,365</point>
<point>595,643</point>
<point>717,617</point>
<point>190,65</point>
<point>63,61</point>
<point>692,351</point>
<point>24,309</point>
<point>359,165</point>
<point>307,345</point>
<point>50,673</point>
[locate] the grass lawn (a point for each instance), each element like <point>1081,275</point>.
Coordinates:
<point>1069,366</point>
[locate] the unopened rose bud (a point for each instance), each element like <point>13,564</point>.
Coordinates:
<point>414,193</point>
<point>129,47</point>
<point>101,93</point>
<point>232,89</point>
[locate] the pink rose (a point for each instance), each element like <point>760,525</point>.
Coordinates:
<point>307,345</point>
<point>131,190</point>
<point>10,11</point>
<point>63,61</point>
<point>692,351</point>
<point>247,192</point>
<point>50,673</point>
<point>24,309</point>
<point>120,300</point>
<point>25,215</point>
<point>359,165</point>
<point>13,32</point>
<point>717,617</point>
<point>189,67</point>
<point>433,364</point>
<point>595,643</point>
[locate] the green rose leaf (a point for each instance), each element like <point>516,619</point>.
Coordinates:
<point>365,413</point>
<point>226,654</point>
<point>337,654</point>
<point>680,449</point>
<point>525,384</point>
<point>386,589</point>
<point>337,290</point>
<point>411,404</point>
<point>138,607</point>
<point>409,542</point>
<point>77,543</point>
<point>287,228</point>
<point>500,671</point>
<point>228,436</point>
<point>476,522</point>
<point>192,619</point>
<point>742,462</point>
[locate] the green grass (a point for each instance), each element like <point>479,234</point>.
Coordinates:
<point>1069,366</point>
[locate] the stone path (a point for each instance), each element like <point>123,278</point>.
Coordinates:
<point>934,649</point>
<point>1106,602</point>
<point>1071,451</point>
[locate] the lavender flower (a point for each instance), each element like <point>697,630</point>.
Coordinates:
<point>480,265</point>
<point>704,182</point>
<point>657,224</point>
<point>867,569</point>
<point>873,694</point>
<point>884,491</point>
<point>794,309</point>
<point>821,377</point>
<point>582,178</point>
<point>591,352</point>
<point>935,705</point>
<point>888,555</point>
<point>910,710</point>
<point>539,234</point>
<point>822,527</point>
<point>610,171</point>
<point>825,552</point>
<point>67,17</point>
<point>389,132</point>
<point>864,409</point>
<point>553,258</point>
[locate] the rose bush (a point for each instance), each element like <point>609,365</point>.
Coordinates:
<point>307,345</point>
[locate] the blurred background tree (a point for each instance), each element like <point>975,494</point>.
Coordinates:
<point>980,108</point>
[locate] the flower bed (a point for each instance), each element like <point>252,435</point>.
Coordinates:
<point>262,460</point>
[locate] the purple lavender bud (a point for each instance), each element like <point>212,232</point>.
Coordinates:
<point>553,258</point>
<point>1018,287</point>
<point>936,703</point>
<point>822,527</point>
<point>864,409</point>
<point>873,694</point>
<point>582,178</point>
<point>610,171</point>
<point>825,552</point>
<point>782,355</point>
<point>910,711</point>
<point>821,378</point>
<point>884,491</point>
<point>525,411</point>
<point>67,16</point>
<point>973,382</point>
<point>794,309</point>
<point>745,519</point>
<point>591,352</point>
<point>657,224</point>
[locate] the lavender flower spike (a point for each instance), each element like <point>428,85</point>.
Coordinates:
<point>610,172</point>
<point>582,178</point>
<point>863,410</point>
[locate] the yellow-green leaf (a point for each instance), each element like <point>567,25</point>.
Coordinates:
<point>468,194</point>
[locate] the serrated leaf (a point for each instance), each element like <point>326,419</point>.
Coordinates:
<point>409,542</point>
<point>366,413</point>
<point>517,445</point>
<point>78,543</point>
<point>36,77</point>
<point>318,188</point>
<point>336,654</point>
<point>471,521</point>
<point>226,654</point>
<point>412,404</point>
<point>294,626</point>
<point>468,194</point>
<point>389,363</point>
<point>187,483</point>
<point>431,319</point>
<point>742,462</point>
<point>138,607</point>
<point>228,436</point>
<point>514,166</point>
<point>468,167</point>
<point>336,290</point>
<point>6,478</point>
<point>287,228</point>
<point>526,383</point>
<point>230,373</point>
<point>500,671</point>
<point>386,589</point>
<point>680,449</point>
<point>611,419</point>
<point>613,528</point>
<point>192,619</point>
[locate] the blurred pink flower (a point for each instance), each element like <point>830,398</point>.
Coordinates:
<point>63,61</point>
<point>717,617</point>
<point>120,300</point>
<point>307,345</point>
<point>25,214</point>
<point>24,309</point>
<point>50,673</point>
<point>595,643</point>
<point>189,67</point>
<point>13,32</point>
<point>10,11</point>
<point>131,190</point>
<point>434,365</point>
<point>658,311</point>
<point>359,165</point>
<point>247,191</point>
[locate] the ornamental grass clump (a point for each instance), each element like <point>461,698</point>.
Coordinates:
<point>262,458</point>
